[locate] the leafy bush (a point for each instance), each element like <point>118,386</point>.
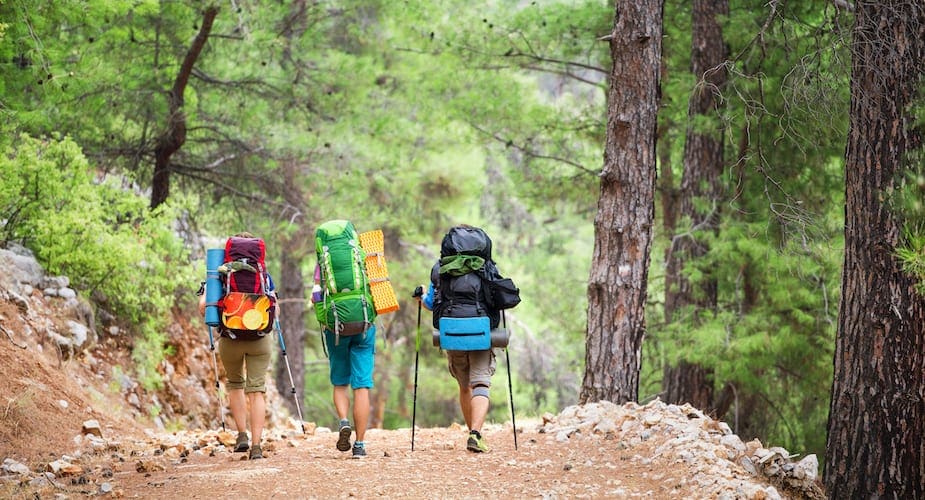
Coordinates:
<point>103,237</point>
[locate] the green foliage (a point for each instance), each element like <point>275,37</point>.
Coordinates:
<point>908,204</point>
<point>772,336</point>
<point>777,255</point>
<point>411,117</point>
<point>99,235</point>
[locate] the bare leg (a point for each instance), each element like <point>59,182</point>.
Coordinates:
<point>478,408</point>
<point>238,409</point>
<point>465,404</point>
<point>258,414</point>
<point>361,411</point>
<point>341,401</point>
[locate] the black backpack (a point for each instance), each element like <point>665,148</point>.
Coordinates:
<point>467,280</point>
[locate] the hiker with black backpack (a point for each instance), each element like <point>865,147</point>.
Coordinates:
<point>460,291</point>
<point>248,310</point>
<point>344,307</point>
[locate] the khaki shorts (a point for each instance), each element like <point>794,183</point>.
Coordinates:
<point>472,367</point>
<point>250,356</point>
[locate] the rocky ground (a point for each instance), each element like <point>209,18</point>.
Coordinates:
<point>72,424</point>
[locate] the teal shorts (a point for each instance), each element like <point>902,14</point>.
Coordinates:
<point>353,358</point>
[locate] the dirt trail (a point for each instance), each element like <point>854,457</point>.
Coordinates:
<point>439,467</point>
<point>633,453</point>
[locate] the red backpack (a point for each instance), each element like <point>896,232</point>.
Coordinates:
<point>248,308</point>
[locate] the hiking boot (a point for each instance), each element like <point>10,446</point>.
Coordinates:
<point>241,443</point>
<point>343,438</point>
<point>359,451</point>
<point>256,452</point>
<point>476,443</point>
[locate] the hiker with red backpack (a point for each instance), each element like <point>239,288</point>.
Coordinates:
<point>462,297</point>
<point>248,309</point>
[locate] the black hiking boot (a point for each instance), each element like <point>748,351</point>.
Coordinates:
<point>241,443</point>
<point>359,451</point>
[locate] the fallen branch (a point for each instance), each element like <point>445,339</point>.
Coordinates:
<point>11,338</point>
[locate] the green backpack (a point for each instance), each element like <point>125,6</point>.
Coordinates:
<point>346,307</point>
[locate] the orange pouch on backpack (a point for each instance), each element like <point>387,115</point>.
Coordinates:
<point>246,312</point>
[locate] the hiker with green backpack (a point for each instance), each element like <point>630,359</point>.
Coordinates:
<point>344,308</point>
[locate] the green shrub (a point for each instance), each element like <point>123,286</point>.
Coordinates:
<point>113,248</point>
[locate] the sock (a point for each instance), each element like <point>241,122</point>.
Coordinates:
<point>359,444</point>
<point>344,422</point>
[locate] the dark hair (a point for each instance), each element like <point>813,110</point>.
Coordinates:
<point>244,234</point>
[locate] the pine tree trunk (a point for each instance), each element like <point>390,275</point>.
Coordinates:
<point>876,428</point>
<point>296,247</point>
<point>626,208</point>
<point>699,200</point>
<point>292,324</point>
<point>174,135</point>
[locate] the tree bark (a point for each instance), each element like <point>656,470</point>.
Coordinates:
<point>626,207</point>
<point>876,427</point>
<point>699,199</point>
<point>292,322</point>
<point>174,135</point>
<point>295,246</point>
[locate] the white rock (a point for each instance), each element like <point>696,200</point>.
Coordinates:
<point>807,468</point>
<point>606,426</point>
<point>78,333</point>
<point>734,444</point>
<point>92,427</point>
<point>14,467</point>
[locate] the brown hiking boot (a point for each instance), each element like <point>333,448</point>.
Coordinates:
<point>241,443</point>
<point>256,452</point>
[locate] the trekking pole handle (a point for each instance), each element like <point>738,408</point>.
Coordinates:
<point>418,291</point>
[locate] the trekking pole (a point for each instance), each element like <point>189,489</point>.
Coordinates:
<point>510,390</point>
<point>418,292</point>
<point>218,390</point>
<point>282,346</point>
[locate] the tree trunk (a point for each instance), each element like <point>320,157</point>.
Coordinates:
<point>699,199</point>
<point>295,247</point>
<point>876,427</point>
<point>174,135</point>
<point>626,208</point>
<point>292,322</point>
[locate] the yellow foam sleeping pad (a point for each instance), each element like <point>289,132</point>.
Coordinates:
<point>384,298</point>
